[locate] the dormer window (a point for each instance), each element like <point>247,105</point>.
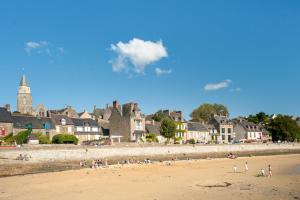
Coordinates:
<point>63,121</point>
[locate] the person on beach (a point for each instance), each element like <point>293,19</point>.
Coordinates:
<point>234,168</point>
<point>270,171</point>
<point>246,167</point>
<point>262,172</point>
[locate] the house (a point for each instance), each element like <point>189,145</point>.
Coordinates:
<point>221,129</point>
<point>86,129</point>
<point>181,124</point>
<point>85,115</point>
<point>247,131</point>
<point>38,125</point>
<point>6,123</point>
<point>153,127</point>
<point>199,132</point>
<point>62,123</point>
<point>126,122</point>
<point>68,111</point>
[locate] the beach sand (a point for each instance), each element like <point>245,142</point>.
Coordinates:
<point>194,179</point>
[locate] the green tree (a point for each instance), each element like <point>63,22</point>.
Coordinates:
<point>260,117</point>
<point>205,112</point>
<point>284,128</point>
<point>168,128</point>
<point>158,116</point>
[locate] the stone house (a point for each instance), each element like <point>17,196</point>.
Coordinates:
<point>37,124</point>
<point>63,123</point>
<point>199,132</point>
<point>68,111</point>
<point>181,123</point>
<point>221,129</point>
<point>245,130</point>
<point>85,115</point>
<point>86,129</point>
<point>6,123</point>
<point>127,122</point>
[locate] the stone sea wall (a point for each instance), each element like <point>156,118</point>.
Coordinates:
<point>67,153</point>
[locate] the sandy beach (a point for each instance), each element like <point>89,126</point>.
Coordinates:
<point>193,179</point>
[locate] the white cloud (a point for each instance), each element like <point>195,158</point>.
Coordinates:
<point>159,71</point>
<point>31,45</point>
<point>138,53</point>
<point>217,86</point>
<point>43,47</point>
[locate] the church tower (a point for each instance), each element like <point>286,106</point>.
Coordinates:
<point>24,99</point>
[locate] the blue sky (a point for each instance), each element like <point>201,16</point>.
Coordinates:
<point>165,54</point>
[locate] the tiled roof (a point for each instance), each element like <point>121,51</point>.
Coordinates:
<point>82,122</point>
<point>56,118</point>
<point>21,121</point>
<point>150,128</point>
<point>196,126</point>
<point>5,116</point>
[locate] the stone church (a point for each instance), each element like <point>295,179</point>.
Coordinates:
<point>24,101</point>
<point>24,98</point>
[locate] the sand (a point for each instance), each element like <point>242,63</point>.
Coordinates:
<point>196,179</point>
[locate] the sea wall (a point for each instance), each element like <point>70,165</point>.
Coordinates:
<point>67,153</point>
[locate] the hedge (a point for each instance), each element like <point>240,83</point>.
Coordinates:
<point>64,139</point>
<point>43,139</point>
<point>22,137</point>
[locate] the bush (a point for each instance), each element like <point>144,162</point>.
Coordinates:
<point>43,139</point>
<point>8,139</point>
<point>22,137</point>
<point>177,140</point>
<point>192,141</point>
<point>64,139</point>
<point>151,137</point>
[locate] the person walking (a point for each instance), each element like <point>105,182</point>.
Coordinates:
<point>270,171</point>
<point>246,167</point>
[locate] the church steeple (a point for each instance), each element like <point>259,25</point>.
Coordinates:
<point>24,99</point>
<point>23,81</point>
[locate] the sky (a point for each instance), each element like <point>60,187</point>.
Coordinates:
<point>161,54</point>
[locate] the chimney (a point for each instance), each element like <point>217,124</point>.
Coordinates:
<point>116,104</point>
<point>7,107</point>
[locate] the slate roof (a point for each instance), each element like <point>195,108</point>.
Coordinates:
<point>195,126</point>
<point>56,118</point>
<point>82,122</point>
<point>150,128</point>
<point>21,121</point>
<point>250,126</point>
<point>5,116</point>
<point>221,119</point>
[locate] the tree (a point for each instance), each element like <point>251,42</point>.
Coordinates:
<point>284,128</point>
<point>158,116</point>
<point>64,139</point>
<point>260,117</point>
<point>205,112</point>
<point>168,128</point>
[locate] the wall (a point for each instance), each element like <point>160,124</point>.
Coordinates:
<point>62,152</point>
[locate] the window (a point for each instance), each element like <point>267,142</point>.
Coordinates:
<point>79,129</point>
<point>95,129</point>
<point>63,121</point>
<point>138,124</point>
<point>57,129</point>
<point>223,130</point>
<point>229,130</point>
<point>69,129</point>
<point>223,137</point>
